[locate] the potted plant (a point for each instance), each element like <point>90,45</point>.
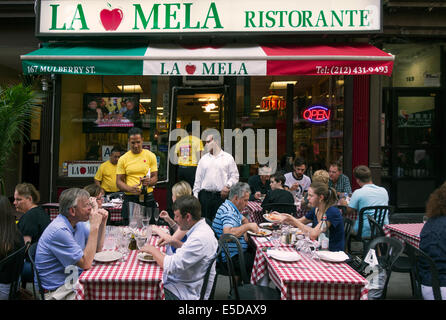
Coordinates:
<point>16,107</point>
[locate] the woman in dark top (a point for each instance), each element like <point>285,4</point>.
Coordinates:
<point>35,219</point>
<point>433,242</point>
<point>10,238</point>
<point>323,200</point>
<point>278,194</point>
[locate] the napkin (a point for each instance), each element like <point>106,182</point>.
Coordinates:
<point>283,255</point>
<point>336,256</point>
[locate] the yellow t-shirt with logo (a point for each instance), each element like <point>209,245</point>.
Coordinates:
<point>107,175</point>
<point>136,166</point>
<point>187,149</point>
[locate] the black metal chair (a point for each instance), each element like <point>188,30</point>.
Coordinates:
<point>206,278</point>
<point>243,289</point>
<point>418,257</point>
<point>379,214</point>
<point>280,207</point>
<point>32,256</point>
<point>343,209</point>
<point>387,251</point>
<point>402,264</point>
<point>11,268</point>
<point>348,225</point>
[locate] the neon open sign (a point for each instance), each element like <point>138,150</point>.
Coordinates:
<point>317,114</point>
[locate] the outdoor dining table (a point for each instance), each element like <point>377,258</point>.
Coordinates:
<point>405,232</point>
<point>308,278</point>
<point>114,211</point>
<point>131,279</point>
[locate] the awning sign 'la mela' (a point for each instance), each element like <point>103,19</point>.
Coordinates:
<point>93,17</point>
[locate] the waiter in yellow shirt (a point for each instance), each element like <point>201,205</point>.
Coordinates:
<point>188,150</point>
<point>137,174</point>
<point>106,175</point>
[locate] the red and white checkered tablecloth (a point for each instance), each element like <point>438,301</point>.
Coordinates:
<point>405,232</point>
<point>128,280</point>
<point>309,279</point>
<point>114,212</point>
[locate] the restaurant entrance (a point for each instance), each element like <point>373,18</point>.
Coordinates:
<point>412,145</point>
<point>205,106</point>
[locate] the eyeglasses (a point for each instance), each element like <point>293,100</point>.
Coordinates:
<point>208,141</point>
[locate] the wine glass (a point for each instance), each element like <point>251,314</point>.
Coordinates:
<point>145,222</point>
<point>147,214</point>
<point>141,241</point>
<point>156,215</point>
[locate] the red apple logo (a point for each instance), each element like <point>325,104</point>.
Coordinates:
<point>83,170</point>
<point>111,19</point>
<point>190,69</point>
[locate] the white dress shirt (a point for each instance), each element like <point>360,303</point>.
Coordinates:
<point>184,271</point>
<point>215,172</point>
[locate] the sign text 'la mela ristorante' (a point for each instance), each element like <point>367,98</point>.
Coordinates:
<point>67,17</point>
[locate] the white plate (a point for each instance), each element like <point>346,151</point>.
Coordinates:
<point>266,215</point>
<point>267,233</point>
<point>145,257</point>
<point>287,256</point>
<point>333,256</point>
<point>107,256</point>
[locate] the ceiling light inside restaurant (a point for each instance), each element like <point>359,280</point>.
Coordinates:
<point>277,85</point>
<point>145,100</point>
<point>209,107</point>
<point>130,88</point>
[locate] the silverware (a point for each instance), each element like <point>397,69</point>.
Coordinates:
<point>295,267</point>
<point>336,267</point>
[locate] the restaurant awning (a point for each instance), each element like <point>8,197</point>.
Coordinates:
<point>225,60</point>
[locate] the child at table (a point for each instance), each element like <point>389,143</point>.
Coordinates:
<point>323,200</point>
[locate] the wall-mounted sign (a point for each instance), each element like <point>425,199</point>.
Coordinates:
<point>83,169</point>
<point>136,17</point>
<point>317,114</point>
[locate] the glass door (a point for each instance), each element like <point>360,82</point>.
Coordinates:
<point>412,157</point>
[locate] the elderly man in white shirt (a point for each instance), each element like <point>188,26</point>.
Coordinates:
<point>216,173</point>
<point>184,271</point>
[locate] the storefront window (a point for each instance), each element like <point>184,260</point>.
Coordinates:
<point>318,116</point>
<point>98,111</point>
<point>416,65</point>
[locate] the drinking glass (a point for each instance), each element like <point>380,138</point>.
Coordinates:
<point>425,218</point>
<point>145,222</point>
<point>148,232</point>
<point>275,238</point>
<point>140,242</point>
<point>148,213</point>
<point>156,215</point>
<point>123,246</point>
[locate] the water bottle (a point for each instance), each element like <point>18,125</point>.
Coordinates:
<point>323,236</point>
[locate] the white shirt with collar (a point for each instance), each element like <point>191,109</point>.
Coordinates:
<point>184,271</point>
<point>215,172</point>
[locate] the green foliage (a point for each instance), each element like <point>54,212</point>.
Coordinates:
<point>16,107</point>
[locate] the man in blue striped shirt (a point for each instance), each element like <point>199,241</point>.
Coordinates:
<point>230,220</point>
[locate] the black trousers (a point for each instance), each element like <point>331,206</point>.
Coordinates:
<point>149,202</point>
<point>210,202</point>
<point>187,174</point>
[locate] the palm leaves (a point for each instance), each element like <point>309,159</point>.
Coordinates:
<point>16,108</point>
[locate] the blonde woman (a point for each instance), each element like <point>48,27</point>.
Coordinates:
<point>179,189</point>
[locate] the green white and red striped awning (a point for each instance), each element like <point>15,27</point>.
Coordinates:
<point>225,60</point>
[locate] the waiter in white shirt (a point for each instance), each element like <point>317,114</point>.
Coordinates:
<point>216,173</point>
